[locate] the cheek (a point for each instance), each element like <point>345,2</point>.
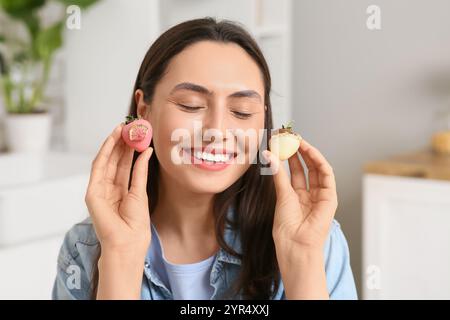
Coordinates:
<point>254,137</point>
<point>167,128</point>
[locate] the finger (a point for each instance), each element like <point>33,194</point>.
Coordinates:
<point>280,176</point>
<point>298,179</point>
<point>313,177</point>
<point>320,171</point>
<point>100,162</point>
<point>124,169</point>
<point>113,161</point>
<point>140,173</point>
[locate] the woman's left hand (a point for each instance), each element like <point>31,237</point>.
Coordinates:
<point>302,220</point>
<point>303,216</point>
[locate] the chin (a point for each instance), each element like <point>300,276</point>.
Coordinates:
<point>207,184</point>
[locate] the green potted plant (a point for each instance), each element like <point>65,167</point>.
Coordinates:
<point>27,48</point>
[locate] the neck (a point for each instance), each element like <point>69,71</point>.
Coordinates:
<point>183,212</point>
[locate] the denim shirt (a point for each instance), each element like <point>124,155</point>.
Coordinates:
<point>81,247</point>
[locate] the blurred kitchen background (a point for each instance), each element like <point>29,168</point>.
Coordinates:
<point>375,101</point>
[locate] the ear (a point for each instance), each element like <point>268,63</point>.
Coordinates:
<point>142,107</point>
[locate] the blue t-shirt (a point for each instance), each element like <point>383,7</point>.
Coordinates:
<point>186,281</point>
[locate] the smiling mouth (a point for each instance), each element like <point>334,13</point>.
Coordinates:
<point>211,157</point>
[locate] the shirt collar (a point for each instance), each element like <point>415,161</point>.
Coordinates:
<point>233,239</point>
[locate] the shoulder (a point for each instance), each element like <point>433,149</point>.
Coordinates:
<point>336,244</point>
<point>340,281</point>
<point>80,238</point>
<point>82,232</point>
<point>76,262</point>
<point>79,235</point>
<point>335,235</point>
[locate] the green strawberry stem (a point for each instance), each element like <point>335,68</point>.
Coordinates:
<point>130,119</point>
<point>288,126</point>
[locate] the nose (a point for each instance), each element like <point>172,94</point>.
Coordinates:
<point>215,121</point>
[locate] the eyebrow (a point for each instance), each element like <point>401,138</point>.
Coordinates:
<point>202,90</point>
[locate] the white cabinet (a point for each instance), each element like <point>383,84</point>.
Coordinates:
<point>406,234</point>
<point>29,270</point>
<point>41,197</point>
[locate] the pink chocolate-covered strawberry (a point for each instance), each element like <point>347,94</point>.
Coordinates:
<point>137,133</point>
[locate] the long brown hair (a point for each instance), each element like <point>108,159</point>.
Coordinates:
<point>253,194</point>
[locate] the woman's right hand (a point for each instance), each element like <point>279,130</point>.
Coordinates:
<point>120,215</point>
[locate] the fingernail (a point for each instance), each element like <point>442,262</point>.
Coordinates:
<point>117,128</point>
<point>303,143</point>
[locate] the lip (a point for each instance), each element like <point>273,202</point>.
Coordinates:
<point>210,165</point>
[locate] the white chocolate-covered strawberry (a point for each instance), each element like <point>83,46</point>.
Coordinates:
<point>285,142</point>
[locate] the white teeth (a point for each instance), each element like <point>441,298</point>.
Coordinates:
<point>219,158</point>
<point>212,157</point>
<point>208,156</point>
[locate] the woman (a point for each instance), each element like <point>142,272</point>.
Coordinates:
<point>215,230</point>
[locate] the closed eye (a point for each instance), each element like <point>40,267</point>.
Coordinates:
<point>241,115</point>
<point>189,108</point>
<point>237,114</point>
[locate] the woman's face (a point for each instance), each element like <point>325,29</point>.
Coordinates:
<point>205,108</point>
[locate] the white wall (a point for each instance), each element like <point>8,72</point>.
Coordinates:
<point>361,95</point>
<point>103,59</point>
